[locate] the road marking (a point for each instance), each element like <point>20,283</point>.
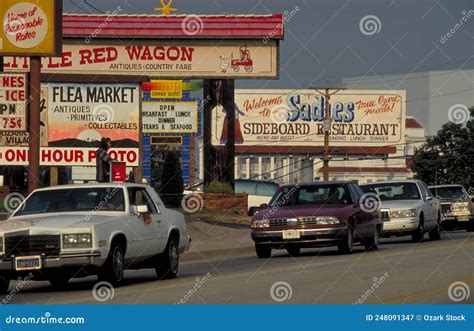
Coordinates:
<point>191,282</point>
<point>402,298</point>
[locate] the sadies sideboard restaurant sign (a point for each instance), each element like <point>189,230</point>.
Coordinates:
<point>31,27</point>
<point>189,59</point>
<point>296,118</point>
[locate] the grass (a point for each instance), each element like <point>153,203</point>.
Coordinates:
<point>218,216</point>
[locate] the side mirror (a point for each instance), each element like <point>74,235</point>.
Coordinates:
<point>263,206</point>
<point>472,200</point>
<point>138,210</point>
<point>428,199</point>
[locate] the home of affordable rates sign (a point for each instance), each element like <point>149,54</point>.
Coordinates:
<point>31,27</point>
<point>12,102</point>
<point>296,118</point>
<point>170,117</point>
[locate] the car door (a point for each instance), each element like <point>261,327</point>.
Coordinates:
<point>363,218</point>
<point>146,228</point>
<point>429,205</point>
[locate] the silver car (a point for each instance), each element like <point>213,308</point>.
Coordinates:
<point>407,207</point>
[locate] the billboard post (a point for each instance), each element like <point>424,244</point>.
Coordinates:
<point>34,123</point>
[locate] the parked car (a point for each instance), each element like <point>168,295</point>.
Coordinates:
<point>407,207</point>
<point>315,215</point>
<point>259,191</point>
<point>457,207</point>
<point>79,230</point>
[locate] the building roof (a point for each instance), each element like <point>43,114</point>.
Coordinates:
<point>365,169</point>
<point>412,123</point>
<point>173,26</point>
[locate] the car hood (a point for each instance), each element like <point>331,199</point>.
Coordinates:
<point>401,204</point>
<point>41,224</point>
<point>342,212</point>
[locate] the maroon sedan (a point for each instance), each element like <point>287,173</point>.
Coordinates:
<point>315,215</point>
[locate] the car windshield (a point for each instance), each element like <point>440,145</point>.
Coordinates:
<point>73,200</point>
<point>311,194</point>
<point>448,192</point>
<point>393,191</point>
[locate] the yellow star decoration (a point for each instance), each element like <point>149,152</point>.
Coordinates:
<point>165,9</point>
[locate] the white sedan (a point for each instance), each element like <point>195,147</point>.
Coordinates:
<point>64,232</point>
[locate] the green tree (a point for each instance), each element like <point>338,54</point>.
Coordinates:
<point>448,156</point>
<point>171,188</point>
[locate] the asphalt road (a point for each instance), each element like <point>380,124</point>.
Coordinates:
<point>400,272</point>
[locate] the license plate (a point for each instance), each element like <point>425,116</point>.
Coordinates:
<point>463,218</point>
<point>291,234</point>
<point>28,263</point>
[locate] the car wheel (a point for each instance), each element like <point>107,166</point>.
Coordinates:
<point>59,281</point>
<point>347,246</point>
<point>168,261</point>
<point>419,233</point>
<point>113,269</point>
<point>4,284</point>
<point>263,252</point>
<point>294,251</point>
<point>372,243</point>
<point>435,233</point>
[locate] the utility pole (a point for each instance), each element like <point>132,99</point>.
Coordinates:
<point>325,92</point>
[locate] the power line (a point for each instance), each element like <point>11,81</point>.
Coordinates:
<point>78,6</point>
<point>93,7</point>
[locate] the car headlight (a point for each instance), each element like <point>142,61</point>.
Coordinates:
<point>327,220</point>
<point>260,224</point>
<point>77,240</point>
<point>403,213</point>
<point>460,206</point>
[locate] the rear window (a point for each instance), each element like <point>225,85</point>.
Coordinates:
<point>248,187</point>
<point>267,189</point>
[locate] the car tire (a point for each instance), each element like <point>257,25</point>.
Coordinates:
<point>113,269</point>
<point>4,284</point>
<point>372,243</point>
<point>347,246</point>
<point>59,281</point>
<point>168,261</point>
<point>419,233</point>
<point>294,251</point>
<point>435,233</point>
<point>263,252</point>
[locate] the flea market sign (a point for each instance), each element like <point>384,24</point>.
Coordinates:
<point>296,118</point>
<point>199,59</point>
<point>31,27</point>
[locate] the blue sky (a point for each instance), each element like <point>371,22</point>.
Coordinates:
<point>324,39</point>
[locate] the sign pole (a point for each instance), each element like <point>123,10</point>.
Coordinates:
<point>327,127</point>
<point>34,123</point>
